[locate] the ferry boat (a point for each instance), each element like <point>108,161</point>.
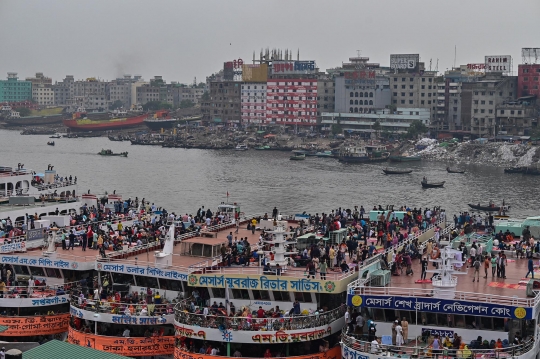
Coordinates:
<point>405,316</point>
<point>363,154</point>
<point>160,120</point>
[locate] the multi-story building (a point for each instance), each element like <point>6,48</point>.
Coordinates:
<point>516,118</point>
<point>120,90</point>
<point>414,88</point>
<point>42,91</point>
<point>193,94</point>
<point>253,102</point>
<point>147,93</point>
<point>479,101</point>
<point>326,95</point>
<point>292,101</point>
<point>63,91</point>
<point>15,90</point>
<point>92,94</point>
<point>224,104</point>
<point>361,87</point>
<point>528,80</point>
<point>393,121</point>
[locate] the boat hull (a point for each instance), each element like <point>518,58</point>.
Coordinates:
<point>454,171</point>
<point>390,172</point>
<point>484,208</point>
<point>34,120</point>
<point>156,125</point>
<point>432,185</point>
<point>103,125</point>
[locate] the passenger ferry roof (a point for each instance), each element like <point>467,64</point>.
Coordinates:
<point>53,348</point>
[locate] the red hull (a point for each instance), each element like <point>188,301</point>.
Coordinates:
<point>104,125</point>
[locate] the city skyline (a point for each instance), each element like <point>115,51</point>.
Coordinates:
<point>110,39</point>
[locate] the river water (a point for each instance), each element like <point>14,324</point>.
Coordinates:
<point>182,180</point>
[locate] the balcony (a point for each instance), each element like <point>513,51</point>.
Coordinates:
<point>440,98</point>
<point>247,329</point>
<point>441,91</point>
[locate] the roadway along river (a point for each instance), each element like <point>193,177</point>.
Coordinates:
<point>182,180</point>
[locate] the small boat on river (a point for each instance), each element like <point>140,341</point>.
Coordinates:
<point>490,208</point>
<point>111,153</point>
<point>514,170</point>
<point>426,184</point>
<point>298,156</point>
<point>51,143</point>
<point>241,147</point>
<point>396,172</point>
<point>449,170</point>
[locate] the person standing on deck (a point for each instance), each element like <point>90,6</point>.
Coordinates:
<point>487,262</point>
<point>394,332</point>
<point>530,268</point>
<point>476,266</point>
<point>424,264</point>
<point>405,326</point>
<point>274,213</point>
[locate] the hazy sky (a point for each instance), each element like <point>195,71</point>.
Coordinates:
<point>183,39</point>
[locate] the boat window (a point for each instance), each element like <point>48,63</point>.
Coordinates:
<point>53,273</point>
<point>431,318</point>
<point>282,296</point>
<point>168,284</point>
<point>486,323</point>
<point>218,292</point>
<point>303,297</point>
<point>240,294</point>
<point>37,271</point>
<point>498,324</point>
<point>123,278</point>
<point>459,321</point>
<point>261,295</point>
<point>21,270</point>
<point>390,315</point>
<point>472,322</point>
<point>143,281</point>
<point>378,314</point>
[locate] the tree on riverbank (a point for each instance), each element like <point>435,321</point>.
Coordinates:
<point>415,128</point>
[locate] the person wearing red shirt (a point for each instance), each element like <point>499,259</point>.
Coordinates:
<point>260,313</point>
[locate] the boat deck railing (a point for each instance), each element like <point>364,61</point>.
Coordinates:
<point>38,291</point>
<point>423,351</point>
<point>218,319</point>
<point>103,306</point>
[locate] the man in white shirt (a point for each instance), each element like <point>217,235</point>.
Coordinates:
<point>31,285</point>
<point>126,333</point>
<point>205,312</point>
<point>348,321</point>
<point>375,346</point>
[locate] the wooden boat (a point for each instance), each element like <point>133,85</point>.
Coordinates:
<point>111,153</point>
<point>514,170</point>
<point>241,147</point>
<point>57,135</point>
<point>433,184</point>
<point>449,170</point>
<point>532,171</point>
<point>395,172</point>
<point>298,157</point>
<point>50,143</point>
<point>484,208</point>
<point>363,154</point>
<point>262,148</point>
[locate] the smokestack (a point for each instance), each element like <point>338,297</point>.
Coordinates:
<point>298,55</point>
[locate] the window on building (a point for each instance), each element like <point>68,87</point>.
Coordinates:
<point>356,110</point>
<point>411,93</point>
<point>362,102</point>
<point>482,102</point>
<point>403,87</point>
<point>525,79</point>
<point>356,102</point>
<point>356,94</point>
<point>476,93</point>
<point>510,94</point>
<point>395,78</point>
<point>423,79</point>
<point>371,102</point>
<point>482,111</point>
<point>429,102</point>
<point>395,101</point>
<point>403,79</point>
<point>394,94</point>
<point>500,93</point>
<point>403,101</point>
<point>410,102</point>
<point>430,80</point>
<point>475,110</point>
<point>350,109</point>
<point>422,102</point>
<point>490,111</point>
<point>350,102</point>
<point>411,87</point>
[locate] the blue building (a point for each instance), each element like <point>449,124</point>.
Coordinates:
<point>15,90</point>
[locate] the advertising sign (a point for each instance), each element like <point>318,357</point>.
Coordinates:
<point>404,61</point>
<point>445,306</point>
<point>293,67</point>
<point>34,234</point>
<point>255,73</point>
<point>270,282</point>
<point>29,326</point>
<point>135,346</point>
<point>499,63</point>
<point>13,247</point>
<point>360,77</point>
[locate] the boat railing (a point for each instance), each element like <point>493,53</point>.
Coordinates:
<point>37,291</point>
<point>459,295</point>
<point>424,351</point>
<point>113,307</point>
<point>218,319</point>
